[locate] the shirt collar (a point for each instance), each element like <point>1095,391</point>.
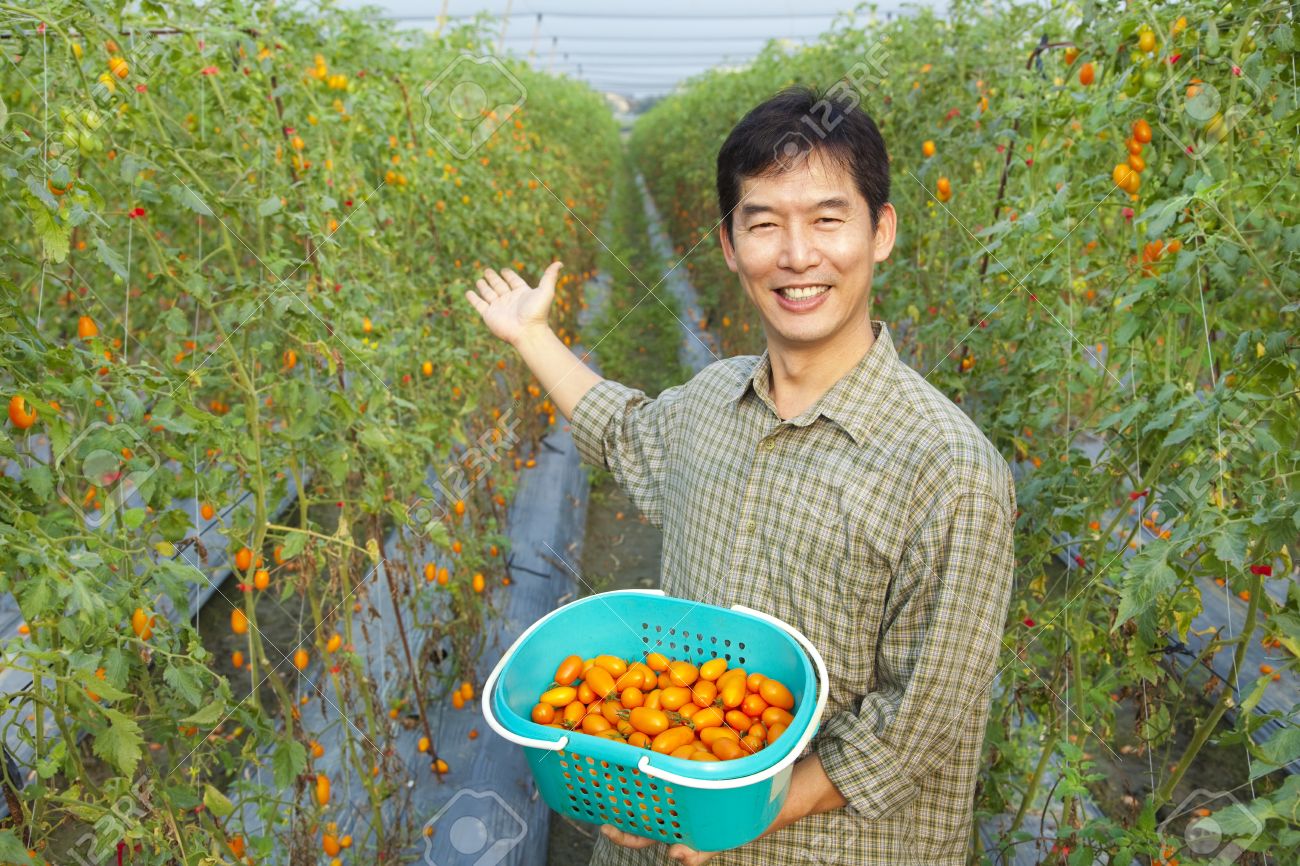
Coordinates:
<point>851,401</point>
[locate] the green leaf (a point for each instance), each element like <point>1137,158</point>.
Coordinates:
<point>133,518</point>
<point>54,234</point>
<point>120,743</point>
<point>1229,545</point>
<point>217,803</point>
<point>38,480</point>
<point>206,717</point>
<point>1147,576</point>
<point>187,197</point>
<point>270,205</point>
<point>1281,749</point>
<point>289,760</point>
<point>186,683</point>
<point>294,544</point>
<point>110,258</point>
<point>12,850</point>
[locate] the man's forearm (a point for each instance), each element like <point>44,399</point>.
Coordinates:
<point>563,376</point>
<point>811,793</point>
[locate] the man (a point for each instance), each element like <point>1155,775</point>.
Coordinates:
<point>824,482</point>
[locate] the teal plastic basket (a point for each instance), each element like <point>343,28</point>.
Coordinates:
<point>645,793</point>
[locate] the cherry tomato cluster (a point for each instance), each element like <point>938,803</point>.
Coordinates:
<point>702,713</point>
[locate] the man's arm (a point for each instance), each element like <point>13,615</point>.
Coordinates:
<point>936,659</point>
<point>614,427</point>
<point>518,314</point>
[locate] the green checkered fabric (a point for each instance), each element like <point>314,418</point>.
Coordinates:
<point>878,522</point>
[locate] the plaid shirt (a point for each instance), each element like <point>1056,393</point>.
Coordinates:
<point>878,522</point>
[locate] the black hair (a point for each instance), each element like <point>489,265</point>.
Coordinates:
<point>792,125</point>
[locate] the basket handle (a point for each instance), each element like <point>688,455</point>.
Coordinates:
<point>823,692</point>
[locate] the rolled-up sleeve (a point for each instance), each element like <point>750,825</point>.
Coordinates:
<point>620,429</point>
<point>936,658</point>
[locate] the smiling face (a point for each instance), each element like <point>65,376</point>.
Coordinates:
<point>803,248</point>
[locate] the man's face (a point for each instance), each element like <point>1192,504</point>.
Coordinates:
<point>808,227</point>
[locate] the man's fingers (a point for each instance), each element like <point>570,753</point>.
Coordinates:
<point>550,275</point>
<point>487,292</point>
<point>496,282</point>
<point>514,280</point>
<point>682,854</point>
<point>475,301</point>
<point>627,840</point>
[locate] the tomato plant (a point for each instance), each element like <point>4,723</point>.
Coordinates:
<point>236,240</point>
<point>1097,261</point>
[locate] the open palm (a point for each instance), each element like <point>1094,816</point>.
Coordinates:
<point>509,306</point>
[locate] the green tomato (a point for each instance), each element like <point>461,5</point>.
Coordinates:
<point>91,119</point>
<point>70,137</point>
<point>87,142</point>
<point>1152,79</point>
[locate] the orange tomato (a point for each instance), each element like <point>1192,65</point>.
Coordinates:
<point>753,706</point>
<point>301,658</point>
<point>601,681</point>
<point>647,721</point>
<point>712,669</point>
<point>261,578</point>
<point>594,724</point>
<point>322,789</point>
<point>1141,131</point>
<point>682,673</point>
<point>585,694</point>
<point>632,678</point>
<point>733,693</point>
<point>237,660</point>
<point>776,694</point>
<point>573,713</point>
<point>638,739</point>
<point>1134,147</point>
<point>703,693</point>
<point>675,697</point>
<point>738,720</point>
<point>243,559</point>
<point>774,732</point>
<point>707,717</point>
<point>751,744</point>
<point>699,755</point>
<point>559,696</point>
<point>672,739</point>
<point>657,662</point>
<point>20,414</point>
<point>86,328</point>
<point>543,714</point>
<point>207,512</point>
<point>775,715</point>
<point>727,749</point>
<point>335,641</point>
<point>238,621</point>
<point>1087,74</point>
<point>927,148</point>
<point>1136,162</point>
<point>631,697</point>
<point>613,664</point>
<point>653,699</point>
<point>709,736</point>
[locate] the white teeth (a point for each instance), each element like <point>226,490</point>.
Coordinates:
<point>803,294</point>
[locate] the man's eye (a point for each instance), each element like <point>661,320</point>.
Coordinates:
<point>829,220</point>
<point>762,225</point>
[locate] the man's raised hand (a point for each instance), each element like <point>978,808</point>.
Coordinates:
<point>509,306</point>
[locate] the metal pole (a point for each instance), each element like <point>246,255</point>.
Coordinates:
<point>537,30</point>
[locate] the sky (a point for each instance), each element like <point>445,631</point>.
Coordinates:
<point>639,49</point>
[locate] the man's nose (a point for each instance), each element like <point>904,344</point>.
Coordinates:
<point>799,250</point>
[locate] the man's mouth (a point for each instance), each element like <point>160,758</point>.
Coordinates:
<point>802,293</point>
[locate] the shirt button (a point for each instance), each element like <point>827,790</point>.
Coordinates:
<point>749,527</point>
<point>768,445</point>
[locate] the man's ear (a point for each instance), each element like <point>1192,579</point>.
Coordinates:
<point>886,232</point>
<point>728,251</point>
